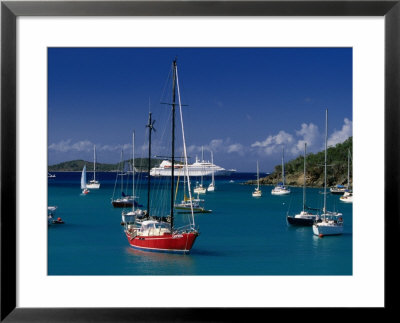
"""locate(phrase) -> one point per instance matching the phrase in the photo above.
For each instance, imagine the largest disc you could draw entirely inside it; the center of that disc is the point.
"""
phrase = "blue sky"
(244, 104)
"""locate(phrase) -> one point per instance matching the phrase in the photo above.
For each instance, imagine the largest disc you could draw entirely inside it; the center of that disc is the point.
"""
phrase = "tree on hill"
(336, 161)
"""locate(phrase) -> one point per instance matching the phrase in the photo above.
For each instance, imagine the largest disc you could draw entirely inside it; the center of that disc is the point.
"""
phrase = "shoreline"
(308, 186)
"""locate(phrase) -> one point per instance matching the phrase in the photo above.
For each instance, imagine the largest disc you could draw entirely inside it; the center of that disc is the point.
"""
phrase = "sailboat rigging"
(187, 204)
(124, 200)
(341, 189)
(347, 197)
(150, 125)
(159, 233)
(199, 187)
(331, 222)
(281, 189)
(305, 217)
(94, 184)
(211, 187)
(257, 192)
(136, 214)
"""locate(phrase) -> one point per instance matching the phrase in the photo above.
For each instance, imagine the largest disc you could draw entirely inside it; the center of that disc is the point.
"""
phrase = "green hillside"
(336, 171)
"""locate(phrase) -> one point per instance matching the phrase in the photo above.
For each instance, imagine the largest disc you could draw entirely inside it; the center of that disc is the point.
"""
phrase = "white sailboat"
(134, 215)
(347, 197)
(211, 187)
(189, 204)
(94, 184)
(338, 190)
(124, 200)
(281, 189)
(83, 181)
(200, 189)
(331, 223)
(305, 217)
(257, 192)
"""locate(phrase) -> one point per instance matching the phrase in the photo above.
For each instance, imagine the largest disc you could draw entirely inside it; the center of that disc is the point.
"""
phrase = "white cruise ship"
(198, 168)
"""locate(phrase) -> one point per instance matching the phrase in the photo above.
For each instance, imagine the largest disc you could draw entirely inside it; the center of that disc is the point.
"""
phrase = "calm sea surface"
(242, 236)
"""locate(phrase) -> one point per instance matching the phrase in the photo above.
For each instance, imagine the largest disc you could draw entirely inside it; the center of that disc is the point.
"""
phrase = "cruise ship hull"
(195, 170)
(192, 172)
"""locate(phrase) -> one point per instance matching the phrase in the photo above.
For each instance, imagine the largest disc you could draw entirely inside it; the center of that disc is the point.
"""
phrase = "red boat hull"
(179, 243)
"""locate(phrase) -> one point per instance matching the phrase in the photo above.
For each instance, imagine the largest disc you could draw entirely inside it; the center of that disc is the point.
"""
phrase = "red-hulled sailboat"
(154, 232)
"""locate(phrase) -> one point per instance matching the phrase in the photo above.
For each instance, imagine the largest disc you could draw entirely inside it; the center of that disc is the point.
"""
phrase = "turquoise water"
(242, 236)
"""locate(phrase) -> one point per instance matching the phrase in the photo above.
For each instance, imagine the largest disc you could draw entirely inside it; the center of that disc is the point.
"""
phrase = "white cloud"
(108, 147)
(236, 148)
(273, 144)
(215, 144)
(66, 146)
(84, 146)
(218, 146)
(294, 144)
(339, 136)
(62, 146)
(309, 133)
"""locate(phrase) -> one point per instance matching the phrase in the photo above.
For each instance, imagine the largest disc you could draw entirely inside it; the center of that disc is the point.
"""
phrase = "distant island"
(141, 165)
(294, 171)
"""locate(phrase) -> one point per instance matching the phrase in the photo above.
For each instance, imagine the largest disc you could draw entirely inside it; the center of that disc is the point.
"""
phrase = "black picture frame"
(10, 10)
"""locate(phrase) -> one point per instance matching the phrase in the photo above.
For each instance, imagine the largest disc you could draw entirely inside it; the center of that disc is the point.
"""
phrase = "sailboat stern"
(327, 228)
(93, 184)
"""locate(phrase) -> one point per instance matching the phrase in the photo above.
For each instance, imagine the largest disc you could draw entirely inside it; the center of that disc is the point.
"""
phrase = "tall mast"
(212, 162)
(122, 171)
(202, 160)
(258, 178)
(326, 149)
(119, 173)
(173, 141)
(133, 170)
(184, 147)
(283, 169)
(184, 185)
(150, 125)
(304, 184)
(348, 170)
(94, 163)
